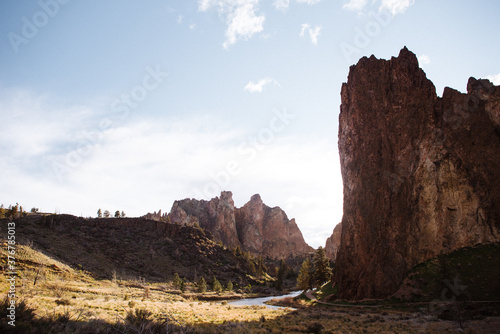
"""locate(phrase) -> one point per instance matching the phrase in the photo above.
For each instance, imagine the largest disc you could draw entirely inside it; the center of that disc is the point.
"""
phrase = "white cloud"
(396, 6)
(240, 16)
(179, 19)
(312, 32)
(309, 2)
(192, 26)
(355, 5)
(257, 87)
(494, 78)
(424, 59)
(393, 6)
(162, 160)
(281, 5)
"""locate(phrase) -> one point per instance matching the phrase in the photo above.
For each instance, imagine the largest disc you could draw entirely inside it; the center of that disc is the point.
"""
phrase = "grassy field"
(55, 298)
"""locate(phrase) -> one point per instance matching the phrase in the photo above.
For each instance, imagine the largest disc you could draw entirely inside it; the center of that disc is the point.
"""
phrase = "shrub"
(216, 286)
(63, 301)
(138, 317)
(202, 285)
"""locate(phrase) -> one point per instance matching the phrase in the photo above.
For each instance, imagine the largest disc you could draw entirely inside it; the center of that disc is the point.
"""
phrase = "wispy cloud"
(312, 32)
(240, 16)
(424, 59)
(396, 6)
(281, 5)
(309, 2)
(257, 87)
(355, 5)
(393, 6)
(145, 165)
(494, 78)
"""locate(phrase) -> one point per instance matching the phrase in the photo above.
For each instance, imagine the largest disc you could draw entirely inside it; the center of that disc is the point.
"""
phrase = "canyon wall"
(421, 173)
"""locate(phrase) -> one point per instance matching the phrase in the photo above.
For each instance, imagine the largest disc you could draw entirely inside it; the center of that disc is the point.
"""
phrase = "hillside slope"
(130, 248)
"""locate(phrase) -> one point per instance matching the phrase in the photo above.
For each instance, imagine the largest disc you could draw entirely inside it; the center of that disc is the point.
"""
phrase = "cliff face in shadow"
(421, 174)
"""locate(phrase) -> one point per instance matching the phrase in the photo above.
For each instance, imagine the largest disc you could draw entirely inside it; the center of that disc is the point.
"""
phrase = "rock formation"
(268, 231)
(215, 216)
(333, 243)
(421, 174)
(255, 227)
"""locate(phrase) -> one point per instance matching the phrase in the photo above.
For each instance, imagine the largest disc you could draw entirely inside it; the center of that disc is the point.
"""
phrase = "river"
(262, 300)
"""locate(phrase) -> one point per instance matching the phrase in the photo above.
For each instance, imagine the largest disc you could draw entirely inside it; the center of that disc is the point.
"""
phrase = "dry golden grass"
(70, 301)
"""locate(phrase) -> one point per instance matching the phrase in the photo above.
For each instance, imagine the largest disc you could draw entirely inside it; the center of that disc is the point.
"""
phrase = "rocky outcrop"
(255, 227)
(157, 216)
(333, 242)
(421, 174)
(268, 231)
(215, 216)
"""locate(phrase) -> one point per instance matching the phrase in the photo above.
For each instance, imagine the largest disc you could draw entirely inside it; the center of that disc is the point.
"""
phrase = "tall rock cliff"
(268, 231)
(255, 227)
(333, 243)
(421, 174)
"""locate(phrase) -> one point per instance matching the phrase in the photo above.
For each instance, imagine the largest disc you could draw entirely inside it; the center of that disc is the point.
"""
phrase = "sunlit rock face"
(268, 231)
(333, 243)
(255, 227)
(421, 174)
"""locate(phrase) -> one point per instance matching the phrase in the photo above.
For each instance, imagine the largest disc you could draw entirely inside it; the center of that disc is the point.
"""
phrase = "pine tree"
(261, 267)
(122, 214)
(107, 214)
(183, 285)
(177, 281)
(304, 279)
(202, 285)
(99, 213)
(322, 272)
(229, 286)
(280, 275)
(216, 286)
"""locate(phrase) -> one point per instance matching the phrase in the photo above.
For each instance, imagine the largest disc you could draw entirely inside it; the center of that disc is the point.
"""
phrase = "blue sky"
(130, 105)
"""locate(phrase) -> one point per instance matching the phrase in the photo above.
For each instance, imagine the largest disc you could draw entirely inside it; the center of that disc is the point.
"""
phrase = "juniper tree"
(322, 272)
(202, 285)
(177, 281)
(304, 278)
(216, 286)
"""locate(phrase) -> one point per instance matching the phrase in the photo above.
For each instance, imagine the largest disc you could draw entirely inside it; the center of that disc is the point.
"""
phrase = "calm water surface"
(261, 301)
